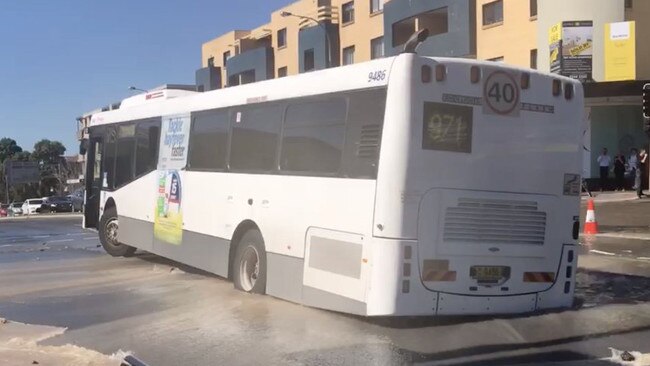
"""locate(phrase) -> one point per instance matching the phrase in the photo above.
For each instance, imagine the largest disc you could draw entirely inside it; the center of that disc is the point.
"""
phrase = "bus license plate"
(489, 273)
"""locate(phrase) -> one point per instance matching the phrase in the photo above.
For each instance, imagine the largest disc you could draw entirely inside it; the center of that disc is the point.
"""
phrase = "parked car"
(16, 209)
(56, 204)
(32, 206)
(77, 198)
(4, 210)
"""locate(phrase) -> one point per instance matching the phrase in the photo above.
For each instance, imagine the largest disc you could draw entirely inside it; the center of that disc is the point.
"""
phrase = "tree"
(8, 148)
(48, 152)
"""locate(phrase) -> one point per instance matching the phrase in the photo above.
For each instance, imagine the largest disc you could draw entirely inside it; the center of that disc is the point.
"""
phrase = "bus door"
(93, 181)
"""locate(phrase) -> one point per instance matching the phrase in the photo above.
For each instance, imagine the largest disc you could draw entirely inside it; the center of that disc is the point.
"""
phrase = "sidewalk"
(42, 216)
(619, 215)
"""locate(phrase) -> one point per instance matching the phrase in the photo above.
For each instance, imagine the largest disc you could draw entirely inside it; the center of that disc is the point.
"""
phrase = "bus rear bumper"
(396, 289)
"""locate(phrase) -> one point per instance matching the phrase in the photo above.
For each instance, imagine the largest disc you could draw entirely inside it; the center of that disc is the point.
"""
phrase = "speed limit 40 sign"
(501, 94)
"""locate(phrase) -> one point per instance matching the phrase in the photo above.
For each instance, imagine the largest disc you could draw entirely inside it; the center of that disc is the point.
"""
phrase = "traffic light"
(646, 100)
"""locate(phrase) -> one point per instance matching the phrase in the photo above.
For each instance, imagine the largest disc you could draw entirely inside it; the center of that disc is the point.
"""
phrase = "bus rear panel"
(478, 189)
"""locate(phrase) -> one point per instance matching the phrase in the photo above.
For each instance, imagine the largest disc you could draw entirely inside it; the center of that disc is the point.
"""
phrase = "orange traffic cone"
(591, 225)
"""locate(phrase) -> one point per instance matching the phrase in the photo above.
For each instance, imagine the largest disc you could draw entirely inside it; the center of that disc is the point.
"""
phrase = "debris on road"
(632, 358)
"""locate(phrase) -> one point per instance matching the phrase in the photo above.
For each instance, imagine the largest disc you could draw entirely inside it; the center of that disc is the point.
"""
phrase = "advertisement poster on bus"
(168, 218)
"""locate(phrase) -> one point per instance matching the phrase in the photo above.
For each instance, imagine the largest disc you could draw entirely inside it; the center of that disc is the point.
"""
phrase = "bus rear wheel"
(249, 268)
(108, 228)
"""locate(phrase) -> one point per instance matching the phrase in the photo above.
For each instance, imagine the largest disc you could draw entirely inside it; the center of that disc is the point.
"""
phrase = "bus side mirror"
(83, 147)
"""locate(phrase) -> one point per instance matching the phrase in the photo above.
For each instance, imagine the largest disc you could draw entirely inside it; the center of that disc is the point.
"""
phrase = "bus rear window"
(447, 127)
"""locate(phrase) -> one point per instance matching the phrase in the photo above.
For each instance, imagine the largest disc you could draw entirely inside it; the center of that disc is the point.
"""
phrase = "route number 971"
(376, 76)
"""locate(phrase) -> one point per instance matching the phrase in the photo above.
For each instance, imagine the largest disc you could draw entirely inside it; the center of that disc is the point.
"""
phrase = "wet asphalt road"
(52, 272)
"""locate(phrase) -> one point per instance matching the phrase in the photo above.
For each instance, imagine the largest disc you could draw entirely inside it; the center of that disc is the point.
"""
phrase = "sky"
(60, 59)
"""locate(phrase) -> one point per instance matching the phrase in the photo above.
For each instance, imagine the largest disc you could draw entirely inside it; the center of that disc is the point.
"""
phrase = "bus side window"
(209, 140)
(363, 133)
(124, 155)
(108, 162)
(147, 140)
(255, 137)
(313, 135)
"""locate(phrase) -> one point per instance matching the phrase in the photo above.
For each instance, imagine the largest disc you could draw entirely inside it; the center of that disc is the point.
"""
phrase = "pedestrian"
(604, 161)
(619, 171)
(643, 162)
(632, 165)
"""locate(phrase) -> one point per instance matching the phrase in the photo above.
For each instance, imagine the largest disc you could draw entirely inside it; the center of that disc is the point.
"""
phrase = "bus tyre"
(108, 235)
(249, 268)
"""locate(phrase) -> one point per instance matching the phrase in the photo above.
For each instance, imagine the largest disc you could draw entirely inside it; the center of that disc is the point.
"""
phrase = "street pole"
(6, 182)
(327, 36)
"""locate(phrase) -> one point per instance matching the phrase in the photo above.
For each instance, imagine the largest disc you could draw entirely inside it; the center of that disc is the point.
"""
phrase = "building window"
(436, 21)
(533, 59)
(282, 38)
(493, 12)
(211, 62)
(348, 55)
(533, 8)
(402, 30)
(628, 4)
(376, 6)
(496, 59)
(347, 10)
(282, 72)
(377, 48)
(309, 59)
(226, 56)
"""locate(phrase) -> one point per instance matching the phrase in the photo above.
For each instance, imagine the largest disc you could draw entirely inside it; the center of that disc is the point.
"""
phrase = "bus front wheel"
(249, 268)
(108, 235)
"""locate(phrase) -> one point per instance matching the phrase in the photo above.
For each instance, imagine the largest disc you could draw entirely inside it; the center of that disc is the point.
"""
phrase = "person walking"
(642, 164)
(604, 161)
(619, 171)
(632, 165)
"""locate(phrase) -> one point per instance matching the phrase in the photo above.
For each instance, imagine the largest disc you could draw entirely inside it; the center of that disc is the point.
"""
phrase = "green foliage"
(48, 152)
(8, 148)
(52, 165)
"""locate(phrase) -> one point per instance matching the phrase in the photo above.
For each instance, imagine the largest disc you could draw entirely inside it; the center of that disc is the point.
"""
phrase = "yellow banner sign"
(620, 51)
(555, 33)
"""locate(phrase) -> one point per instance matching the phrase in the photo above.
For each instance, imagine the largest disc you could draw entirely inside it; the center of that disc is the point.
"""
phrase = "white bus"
(406, 185)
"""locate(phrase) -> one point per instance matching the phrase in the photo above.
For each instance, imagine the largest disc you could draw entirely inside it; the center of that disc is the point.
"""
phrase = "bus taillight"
(475, 74)
(539, 276)
(525, 80)
(441, 72)
(557, 87)
(568, 91)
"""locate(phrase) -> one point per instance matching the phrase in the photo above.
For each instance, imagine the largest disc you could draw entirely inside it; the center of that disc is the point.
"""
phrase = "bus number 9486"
(376, 76)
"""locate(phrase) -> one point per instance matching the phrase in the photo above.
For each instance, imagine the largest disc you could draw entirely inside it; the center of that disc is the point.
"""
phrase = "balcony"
(324, 14)
(253, 65)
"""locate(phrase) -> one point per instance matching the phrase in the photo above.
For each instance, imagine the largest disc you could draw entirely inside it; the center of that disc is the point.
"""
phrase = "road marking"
(601, 252)
(75, 234)
(89, 238)
(8, 245)
(39, 236)
(59, 240)
(643, 258)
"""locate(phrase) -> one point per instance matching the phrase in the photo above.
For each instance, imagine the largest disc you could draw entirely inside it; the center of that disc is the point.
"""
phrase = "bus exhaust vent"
(489, 221)
(369, 141)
